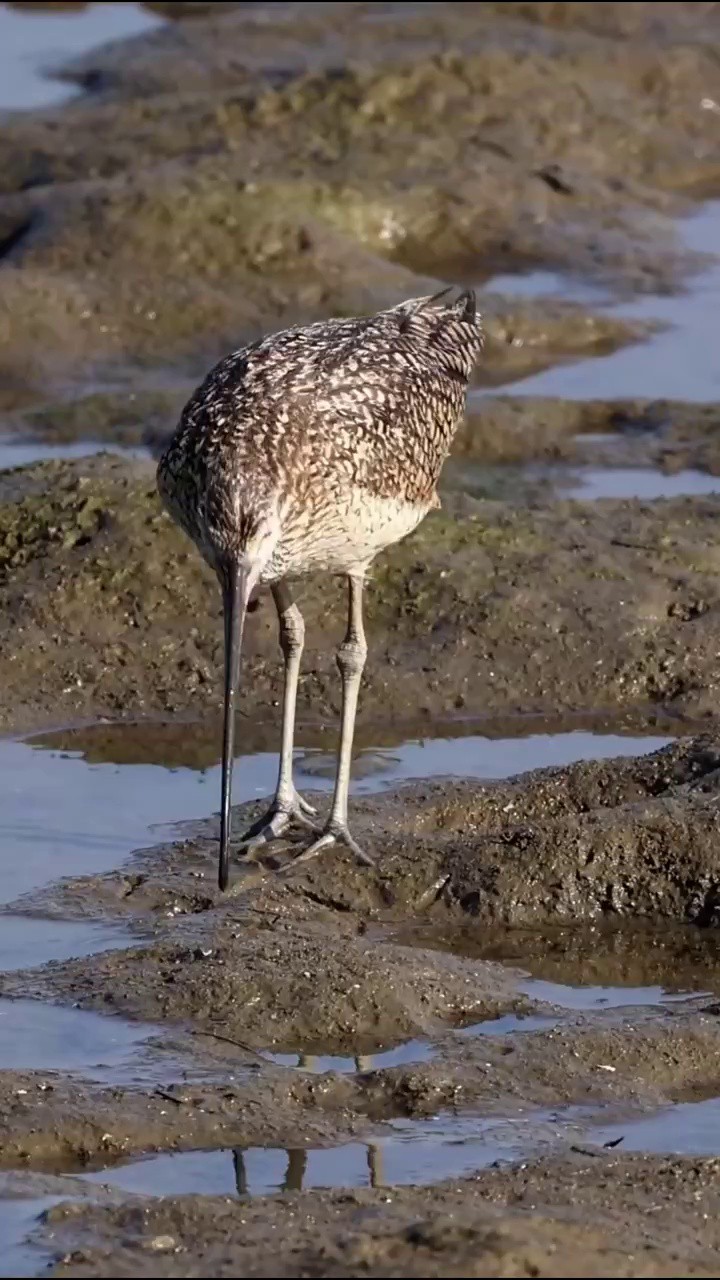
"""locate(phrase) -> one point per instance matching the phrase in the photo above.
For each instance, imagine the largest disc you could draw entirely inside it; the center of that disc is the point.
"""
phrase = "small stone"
(161, 1244)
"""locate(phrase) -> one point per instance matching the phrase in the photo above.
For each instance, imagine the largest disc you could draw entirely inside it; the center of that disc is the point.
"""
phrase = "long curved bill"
(236, 594)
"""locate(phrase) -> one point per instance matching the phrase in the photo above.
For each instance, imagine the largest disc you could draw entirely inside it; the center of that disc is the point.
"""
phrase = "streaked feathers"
(318, 426)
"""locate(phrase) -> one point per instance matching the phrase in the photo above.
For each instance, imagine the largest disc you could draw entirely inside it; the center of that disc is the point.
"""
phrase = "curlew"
(310, 451)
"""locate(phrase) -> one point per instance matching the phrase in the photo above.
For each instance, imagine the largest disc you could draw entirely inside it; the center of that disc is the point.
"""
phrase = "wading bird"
(310, 451)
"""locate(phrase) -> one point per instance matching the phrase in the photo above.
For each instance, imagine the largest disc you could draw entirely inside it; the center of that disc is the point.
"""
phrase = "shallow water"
(646, 483)
(13, 454)
(548, 284)
(44, 1037)
(411, 1051)
(27, 940)
(60, 815)
(519, 484)
(410, 1152)
(18, 1219)
(400, 1055)
(679, 363)
(476, 757)
(34, 41)
(585, 999)
(687, 1128)
(576, 966)
(407, 1152)
(414, 1152)
(63, 814)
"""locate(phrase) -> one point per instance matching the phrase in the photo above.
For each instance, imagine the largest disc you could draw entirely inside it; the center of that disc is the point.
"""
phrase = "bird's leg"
(296, 1169)
(287, 804)
(351, 660)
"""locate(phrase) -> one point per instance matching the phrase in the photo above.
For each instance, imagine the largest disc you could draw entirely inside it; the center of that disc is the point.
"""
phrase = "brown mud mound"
(598, 840)
(290, 987)
(289, 961)
(661, 433)
(183, 261)
(105, 607)
(48, 1120)
(307, 165)
(606, 1215)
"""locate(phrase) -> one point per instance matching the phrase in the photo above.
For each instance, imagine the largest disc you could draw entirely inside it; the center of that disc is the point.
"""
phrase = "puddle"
(548, 284)
(13, 454)
(407, 1153)
(595, 437)
(685, 1129)
(475, 757)
(509, 1023)
(35, 40)
(19, 1217)
(520, 485)
(646, 483)
(588, 969)
(411, 1152)
(679, 363)
(411, 1051)
(401, 1055)
(26, 941)
(44, 1037)
(586, 999)
(65, 816)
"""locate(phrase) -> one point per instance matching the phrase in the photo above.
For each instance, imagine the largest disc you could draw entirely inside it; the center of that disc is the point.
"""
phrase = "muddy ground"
(106, 609)
(342, 960)
(598, 1216)
(255, 165)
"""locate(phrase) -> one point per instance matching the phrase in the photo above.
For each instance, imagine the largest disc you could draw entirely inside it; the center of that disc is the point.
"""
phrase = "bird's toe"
(275, 822)
(334, 833)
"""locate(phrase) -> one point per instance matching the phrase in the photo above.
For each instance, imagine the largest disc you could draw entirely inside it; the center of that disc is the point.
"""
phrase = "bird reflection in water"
(296, 1170)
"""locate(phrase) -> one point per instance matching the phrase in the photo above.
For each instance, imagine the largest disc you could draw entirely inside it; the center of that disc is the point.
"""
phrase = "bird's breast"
(340, 537)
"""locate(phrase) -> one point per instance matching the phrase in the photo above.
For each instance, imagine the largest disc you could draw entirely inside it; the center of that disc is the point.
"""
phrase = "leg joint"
(351, 656)
(292, 631)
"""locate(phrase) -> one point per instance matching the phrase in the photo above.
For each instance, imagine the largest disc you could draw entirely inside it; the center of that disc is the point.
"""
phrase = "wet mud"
(542, 1042)
(496, 1051)
(250, 195)
(518, 1222)
(659, 433)
(561, 606)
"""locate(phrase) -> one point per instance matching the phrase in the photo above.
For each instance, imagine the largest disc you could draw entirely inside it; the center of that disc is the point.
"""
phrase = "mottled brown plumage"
(312, 450)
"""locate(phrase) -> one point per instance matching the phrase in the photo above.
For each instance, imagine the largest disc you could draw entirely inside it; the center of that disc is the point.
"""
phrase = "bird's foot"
(283, 811)
(333, 833)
